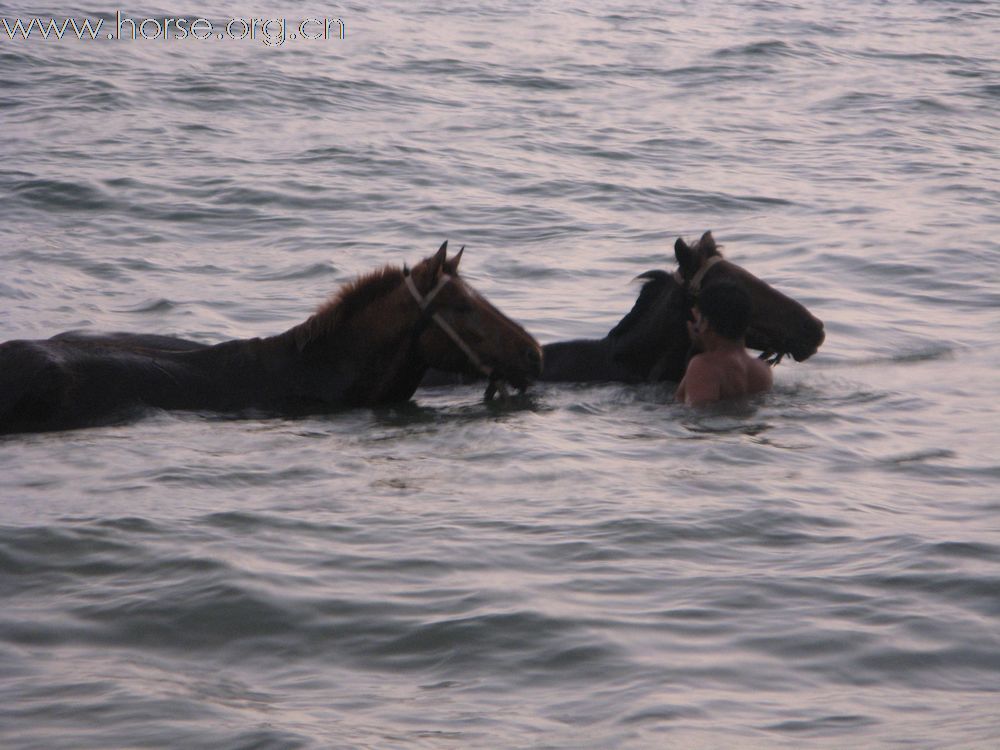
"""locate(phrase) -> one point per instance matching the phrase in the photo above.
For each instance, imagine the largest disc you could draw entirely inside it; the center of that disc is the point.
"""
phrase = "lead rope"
(443, 324)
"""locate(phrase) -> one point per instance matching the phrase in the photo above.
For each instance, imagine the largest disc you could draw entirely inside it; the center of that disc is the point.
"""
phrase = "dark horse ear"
(687, 258)
(707, 244)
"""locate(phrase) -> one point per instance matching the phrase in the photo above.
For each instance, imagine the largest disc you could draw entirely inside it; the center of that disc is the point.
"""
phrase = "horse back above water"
(370, 344)
(651, 343)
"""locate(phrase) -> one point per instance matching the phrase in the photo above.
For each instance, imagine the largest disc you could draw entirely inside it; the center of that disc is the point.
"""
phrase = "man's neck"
(713, 342)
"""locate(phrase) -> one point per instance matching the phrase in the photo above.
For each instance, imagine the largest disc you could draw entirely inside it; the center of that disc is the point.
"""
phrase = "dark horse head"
(371, 344)
(651, 343)
(779, 325)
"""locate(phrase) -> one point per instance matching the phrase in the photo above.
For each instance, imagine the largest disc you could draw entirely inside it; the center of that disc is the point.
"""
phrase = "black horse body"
(649, 344)
(76, 379)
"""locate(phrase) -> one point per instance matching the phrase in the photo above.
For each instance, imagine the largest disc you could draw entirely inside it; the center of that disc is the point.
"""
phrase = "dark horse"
(652, 344)
(370, 344)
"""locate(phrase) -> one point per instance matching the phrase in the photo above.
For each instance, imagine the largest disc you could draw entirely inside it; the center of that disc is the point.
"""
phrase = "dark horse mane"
(658, 319)
(654, 284)
(651, 342)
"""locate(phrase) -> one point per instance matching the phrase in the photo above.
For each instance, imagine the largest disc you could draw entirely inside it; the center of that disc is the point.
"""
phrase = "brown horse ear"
(707, 243)
(456, 259)
(439, 258)
(687, 258)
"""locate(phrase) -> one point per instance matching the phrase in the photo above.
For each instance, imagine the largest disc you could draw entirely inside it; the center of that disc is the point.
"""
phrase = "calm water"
(587, 567)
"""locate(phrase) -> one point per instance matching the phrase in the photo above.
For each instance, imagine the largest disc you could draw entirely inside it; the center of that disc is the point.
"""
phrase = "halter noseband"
(425, 302)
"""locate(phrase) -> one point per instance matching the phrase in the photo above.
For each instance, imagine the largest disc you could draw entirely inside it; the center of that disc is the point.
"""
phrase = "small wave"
(130, 524)
(533, 82)
(932, 58)
(63, 195)
(516, 269)
(194, 476)
(311, 271)
(326, 153)
(9, 292)
(918, 457)
(821, 726)
(925, 104)
(656, 199)
(32, 556)
(526, 642)
(989, 91)
(766, 48)
(488, 76)
(698, 77)
(191, 612)
(663, 713)
(928, 353)
(203, 129)
(160, 305)
(924, 668)
(245, 522)
(968, 550)
(977, 593)
(764, 527)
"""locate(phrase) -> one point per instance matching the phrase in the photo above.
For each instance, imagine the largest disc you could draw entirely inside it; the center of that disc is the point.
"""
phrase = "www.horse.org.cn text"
(269, 31)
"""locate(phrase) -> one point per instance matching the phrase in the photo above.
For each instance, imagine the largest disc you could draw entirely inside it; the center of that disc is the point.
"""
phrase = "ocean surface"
(583, 567)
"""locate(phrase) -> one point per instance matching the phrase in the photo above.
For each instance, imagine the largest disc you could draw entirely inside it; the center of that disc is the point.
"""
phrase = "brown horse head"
(779, 325)
(462, 331)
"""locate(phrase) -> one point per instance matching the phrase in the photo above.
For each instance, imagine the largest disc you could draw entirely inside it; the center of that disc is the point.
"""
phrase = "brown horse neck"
(366, 349)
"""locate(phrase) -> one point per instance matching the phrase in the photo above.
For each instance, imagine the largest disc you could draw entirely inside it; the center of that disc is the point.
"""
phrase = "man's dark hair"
(727, 307)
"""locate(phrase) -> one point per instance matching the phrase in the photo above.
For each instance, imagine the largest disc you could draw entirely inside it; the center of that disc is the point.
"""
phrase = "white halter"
(443, 324)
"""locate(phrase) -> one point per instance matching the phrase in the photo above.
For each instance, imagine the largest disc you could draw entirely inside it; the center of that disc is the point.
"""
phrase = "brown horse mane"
(345, 303)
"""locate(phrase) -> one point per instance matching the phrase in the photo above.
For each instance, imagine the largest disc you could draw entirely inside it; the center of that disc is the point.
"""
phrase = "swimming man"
(723, 370)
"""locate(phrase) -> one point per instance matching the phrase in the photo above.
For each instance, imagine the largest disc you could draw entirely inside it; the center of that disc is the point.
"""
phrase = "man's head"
(727, 308)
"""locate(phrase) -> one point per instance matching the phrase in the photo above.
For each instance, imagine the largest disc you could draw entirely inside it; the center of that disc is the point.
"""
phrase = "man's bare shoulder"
(701, 383)
(759, 375)
(721, 375)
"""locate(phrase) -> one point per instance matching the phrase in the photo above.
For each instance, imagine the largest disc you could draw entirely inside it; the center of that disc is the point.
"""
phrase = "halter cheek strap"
(425, 302)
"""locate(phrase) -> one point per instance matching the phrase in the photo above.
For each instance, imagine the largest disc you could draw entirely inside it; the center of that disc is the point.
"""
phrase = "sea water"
(586, 566)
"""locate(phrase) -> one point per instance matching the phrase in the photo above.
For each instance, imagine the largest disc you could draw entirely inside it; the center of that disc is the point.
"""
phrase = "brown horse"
(370, 344)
